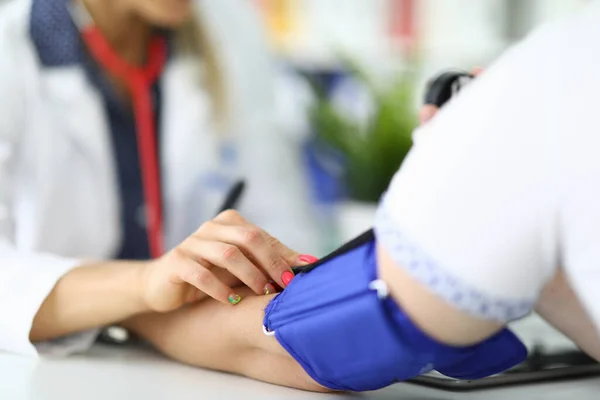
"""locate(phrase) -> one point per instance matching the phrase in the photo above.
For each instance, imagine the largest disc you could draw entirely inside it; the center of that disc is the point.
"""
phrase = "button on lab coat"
(59, 198)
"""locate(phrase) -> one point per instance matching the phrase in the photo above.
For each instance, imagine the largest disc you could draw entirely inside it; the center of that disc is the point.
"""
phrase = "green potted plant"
(372, 148)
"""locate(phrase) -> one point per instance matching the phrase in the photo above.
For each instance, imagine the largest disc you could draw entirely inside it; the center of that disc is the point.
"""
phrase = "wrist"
(139, 284)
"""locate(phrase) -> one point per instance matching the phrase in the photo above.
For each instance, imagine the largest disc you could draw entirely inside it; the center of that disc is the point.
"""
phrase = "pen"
(233, 196)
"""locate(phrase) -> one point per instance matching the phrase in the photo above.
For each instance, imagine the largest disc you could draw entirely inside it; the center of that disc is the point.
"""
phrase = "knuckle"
(202, 277)
(189, 247)
(252, 237)
(178, 253)
(229, 215)
(230, 253)
(206, 226)
(190, 241)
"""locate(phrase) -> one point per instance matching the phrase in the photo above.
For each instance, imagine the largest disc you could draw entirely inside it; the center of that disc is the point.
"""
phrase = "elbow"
(46, 325)
(35, 336)
(42, 331)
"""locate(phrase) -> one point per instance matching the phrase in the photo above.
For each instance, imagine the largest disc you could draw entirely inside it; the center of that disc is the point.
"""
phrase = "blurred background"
(363, 59)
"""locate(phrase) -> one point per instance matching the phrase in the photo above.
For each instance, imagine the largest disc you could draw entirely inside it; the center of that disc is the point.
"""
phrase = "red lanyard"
(139, 82)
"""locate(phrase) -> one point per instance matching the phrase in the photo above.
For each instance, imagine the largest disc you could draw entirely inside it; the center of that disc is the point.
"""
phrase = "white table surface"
(127, 373)
(109, 373)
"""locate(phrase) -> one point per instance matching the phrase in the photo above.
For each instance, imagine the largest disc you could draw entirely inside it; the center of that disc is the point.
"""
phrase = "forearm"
(216, 336)
(88, 297)
(559, 305)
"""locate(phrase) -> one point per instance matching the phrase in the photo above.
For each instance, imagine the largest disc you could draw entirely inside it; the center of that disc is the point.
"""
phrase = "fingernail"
(269, 289)
(234, 299)
(287, 277)
(307, 258)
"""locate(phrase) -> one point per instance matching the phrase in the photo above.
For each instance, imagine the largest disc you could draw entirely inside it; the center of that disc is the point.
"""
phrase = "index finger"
(232, 217)
(268, 253)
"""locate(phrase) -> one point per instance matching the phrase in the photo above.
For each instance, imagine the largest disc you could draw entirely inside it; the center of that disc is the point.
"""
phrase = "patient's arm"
(221, 337)
(557, 304)
(430, 312)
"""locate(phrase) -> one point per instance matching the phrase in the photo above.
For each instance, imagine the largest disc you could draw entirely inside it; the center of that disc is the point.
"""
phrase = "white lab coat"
(59, 198)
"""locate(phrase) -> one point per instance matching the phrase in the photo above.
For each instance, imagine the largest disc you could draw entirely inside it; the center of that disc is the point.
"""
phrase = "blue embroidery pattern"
(432, 274)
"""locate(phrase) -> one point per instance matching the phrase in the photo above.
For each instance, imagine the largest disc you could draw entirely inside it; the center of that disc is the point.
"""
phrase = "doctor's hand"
(222, 254)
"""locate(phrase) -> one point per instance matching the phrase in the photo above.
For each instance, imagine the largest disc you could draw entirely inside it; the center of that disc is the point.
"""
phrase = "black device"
(541, 366)
(444, 86)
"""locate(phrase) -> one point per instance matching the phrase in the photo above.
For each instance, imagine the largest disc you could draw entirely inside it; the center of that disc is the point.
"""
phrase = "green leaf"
(373, 152)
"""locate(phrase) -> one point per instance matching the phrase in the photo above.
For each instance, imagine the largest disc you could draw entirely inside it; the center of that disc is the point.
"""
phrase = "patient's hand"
(217, 336)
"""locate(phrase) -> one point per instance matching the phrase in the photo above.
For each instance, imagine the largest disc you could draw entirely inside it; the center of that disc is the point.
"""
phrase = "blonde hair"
(193, 39)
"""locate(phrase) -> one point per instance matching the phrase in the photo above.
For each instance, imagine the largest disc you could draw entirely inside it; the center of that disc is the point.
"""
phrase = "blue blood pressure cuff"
(337, 320)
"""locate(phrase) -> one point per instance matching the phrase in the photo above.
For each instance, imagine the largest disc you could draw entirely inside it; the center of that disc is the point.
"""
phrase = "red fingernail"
(307, 258)
(287, 277)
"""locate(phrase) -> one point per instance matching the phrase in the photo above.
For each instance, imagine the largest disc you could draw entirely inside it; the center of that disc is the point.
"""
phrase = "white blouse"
(502, 187)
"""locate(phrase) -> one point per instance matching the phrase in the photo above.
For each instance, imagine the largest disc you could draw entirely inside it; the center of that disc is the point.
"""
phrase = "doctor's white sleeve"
(26, 278)
(471, 214)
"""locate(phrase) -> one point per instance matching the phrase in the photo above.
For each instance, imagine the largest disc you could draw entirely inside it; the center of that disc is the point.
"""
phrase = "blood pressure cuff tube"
(336, 320)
